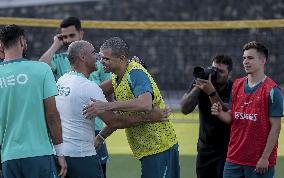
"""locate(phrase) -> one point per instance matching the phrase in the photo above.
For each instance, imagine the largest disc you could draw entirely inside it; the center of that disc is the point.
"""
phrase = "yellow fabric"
(150, 138)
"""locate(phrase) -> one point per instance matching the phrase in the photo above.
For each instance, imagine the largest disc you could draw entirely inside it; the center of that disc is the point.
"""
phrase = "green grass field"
(123, 164)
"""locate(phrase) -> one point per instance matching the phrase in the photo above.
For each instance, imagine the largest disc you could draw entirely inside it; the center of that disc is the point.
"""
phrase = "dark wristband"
(212, 94)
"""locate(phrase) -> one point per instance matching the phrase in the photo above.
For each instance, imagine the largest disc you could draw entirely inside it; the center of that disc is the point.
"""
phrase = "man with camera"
(211, 85)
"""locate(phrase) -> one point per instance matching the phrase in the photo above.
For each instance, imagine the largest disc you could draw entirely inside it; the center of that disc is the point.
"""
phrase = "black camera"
(203, 73)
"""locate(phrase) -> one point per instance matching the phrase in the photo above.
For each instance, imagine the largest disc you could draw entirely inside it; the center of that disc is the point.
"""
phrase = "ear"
(122, 57)
(22, 41)
(264, 60)
(82, 57)
(81, 34)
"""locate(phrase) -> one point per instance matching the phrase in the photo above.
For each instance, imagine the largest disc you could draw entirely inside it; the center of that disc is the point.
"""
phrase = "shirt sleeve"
(275, 103)
(49, 85)
(53, 63)
(139, 82)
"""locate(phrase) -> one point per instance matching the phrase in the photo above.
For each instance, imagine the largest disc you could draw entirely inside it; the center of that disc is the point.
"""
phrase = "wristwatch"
(212, 94)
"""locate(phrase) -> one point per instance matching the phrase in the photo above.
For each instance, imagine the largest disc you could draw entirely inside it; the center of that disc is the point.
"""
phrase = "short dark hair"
(224, 59)
(71, 21)
(117, 45)
(260, 48)
(10, 34)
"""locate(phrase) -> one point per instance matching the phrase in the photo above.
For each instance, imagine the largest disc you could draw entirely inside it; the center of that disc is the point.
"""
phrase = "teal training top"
(24, 85)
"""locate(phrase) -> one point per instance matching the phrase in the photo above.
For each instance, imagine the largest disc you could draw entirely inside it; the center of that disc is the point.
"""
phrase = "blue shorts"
(85, 167)
(102, 152)
(161, 165)
(232, 170)
(35, 167)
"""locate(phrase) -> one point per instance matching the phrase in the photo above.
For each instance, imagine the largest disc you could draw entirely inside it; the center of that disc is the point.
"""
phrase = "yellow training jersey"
(149, 138)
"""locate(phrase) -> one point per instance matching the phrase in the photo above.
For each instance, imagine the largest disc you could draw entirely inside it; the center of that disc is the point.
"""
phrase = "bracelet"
(212, 94)
(59, 149)
(101, 137)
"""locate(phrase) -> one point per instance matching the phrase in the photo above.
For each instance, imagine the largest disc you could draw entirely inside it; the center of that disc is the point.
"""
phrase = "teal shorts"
(161, 165)
(33, 167)
(85, 167)
(232, 170)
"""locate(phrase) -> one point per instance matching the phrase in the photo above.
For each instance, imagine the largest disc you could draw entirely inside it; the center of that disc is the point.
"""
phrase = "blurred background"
(172, 37)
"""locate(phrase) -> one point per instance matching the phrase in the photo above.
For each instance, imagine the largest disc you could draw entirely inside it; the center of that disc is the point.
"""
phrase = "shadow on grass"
(126, 166)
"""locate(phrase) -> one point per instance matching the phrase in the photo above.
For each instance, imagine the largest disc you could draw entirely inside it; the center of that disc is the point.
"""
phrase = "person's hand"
(157, 114)
(94, 108)
(262, 166)
(63, 166)
(98, 142)
(216, 109)
(205, 85)
(58, 41)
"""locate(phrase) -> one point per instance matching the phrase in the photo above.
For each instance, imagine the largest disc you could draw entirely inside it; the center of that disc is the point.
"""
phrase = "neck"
(121, 70)
(82, 70)
(12, 54)
(256, 78)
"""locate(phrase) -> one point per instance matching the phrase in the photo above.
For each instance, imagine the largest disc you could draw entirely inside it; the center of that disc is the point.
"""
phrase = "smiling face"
(89, 55)
(71, 34)
(110, 62)
(253, 61)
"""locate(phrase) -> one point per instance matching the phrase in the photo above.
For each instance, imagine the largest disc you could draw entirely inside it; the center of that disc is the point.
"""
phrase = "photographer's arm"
(189, 100)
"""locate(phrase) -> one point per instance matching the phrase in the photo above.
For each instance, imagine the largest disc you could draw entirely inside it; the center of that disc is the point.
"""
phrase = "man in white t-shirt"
(75, 91)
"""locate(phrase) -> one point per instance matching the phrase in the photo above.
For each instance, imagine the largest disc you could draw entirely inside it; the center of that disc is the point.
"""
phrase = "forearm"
(117, 121)
(271, 141)
(130, 105)
(225, 117)
(47, 56)
(216, 99)
(107, 87)
(189, 100)
(54, 126)
(107, 131)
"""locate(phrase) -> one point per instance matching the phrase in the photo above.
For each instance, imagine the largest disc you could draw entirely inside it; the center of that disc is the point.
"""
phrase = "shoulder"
(60, 56)
(39, 66)
(137, 73)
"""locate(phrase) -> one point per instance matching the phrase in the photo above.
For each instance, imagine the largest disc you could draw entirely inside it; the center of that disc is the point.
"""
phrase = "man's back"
(23, 87)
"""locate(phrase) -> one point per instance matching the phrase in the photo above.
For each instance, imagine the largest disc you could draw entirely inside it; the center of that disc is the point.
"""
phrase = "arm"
(53, 120)
(107, 87)
(217, 110)
(140, 104)
(189, 100)
(209, 89)
(262, 164)
(47, 56)
(54, 125)
(117, 121)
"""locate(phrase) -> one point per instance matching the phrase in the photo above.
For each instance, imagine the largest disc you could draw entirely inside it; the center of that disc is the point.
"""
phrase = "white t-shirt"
(74, 92)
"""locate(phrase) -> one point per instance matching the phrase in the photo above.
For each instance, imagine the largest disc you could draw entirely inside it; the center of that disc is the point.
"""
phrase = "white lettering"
(12, 80)
(22, 79)
(245, 116)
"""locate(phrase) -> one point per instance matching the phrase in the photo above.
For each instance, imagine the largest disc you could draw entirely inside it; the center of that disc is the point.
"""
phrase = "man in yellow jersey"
(154, 144)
